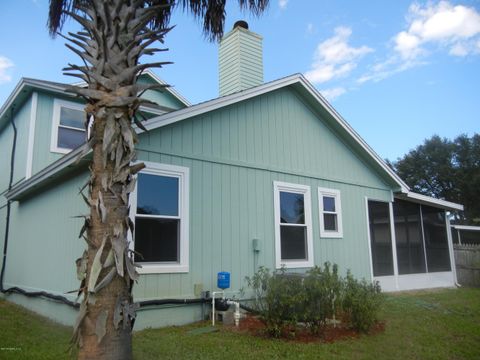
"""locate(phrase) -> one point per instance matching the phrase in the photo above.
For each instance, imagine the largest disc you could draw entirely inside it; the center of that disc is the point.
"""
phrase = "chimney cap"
(241, 23)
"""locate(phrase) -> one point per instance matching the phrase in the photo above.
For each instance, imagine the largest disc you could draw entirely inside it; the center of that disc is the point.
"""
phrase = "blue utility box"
(223, 280)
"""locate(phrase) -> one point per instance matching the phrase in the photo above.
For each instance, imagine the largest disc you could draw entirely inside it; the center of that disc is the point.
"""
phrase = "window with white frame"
(293, 225)
(330, 213)
(159, 206)
(68, 128)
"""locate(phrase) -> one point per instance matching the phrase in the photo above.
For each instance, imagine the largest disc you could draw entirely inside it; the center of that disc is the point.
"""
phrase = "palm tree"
(114, 35)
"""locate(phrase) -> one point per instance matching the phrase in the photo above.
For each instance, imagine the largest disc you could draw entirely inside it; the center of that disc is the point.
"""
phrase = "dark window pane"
(330, 222)
(291, 208)
(72, 118)
(157, 195)
(69, 138)
(329, 203)
(380, 238)
(434, 227)
(408, 236)
(157, 240)
(293, 242)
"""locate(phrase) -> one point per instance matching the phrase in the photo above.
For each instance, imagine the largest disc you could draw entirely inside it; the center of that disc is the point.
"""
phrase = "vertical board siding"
(42, 255)
(234, 156)
(42, 156)
(22, 122)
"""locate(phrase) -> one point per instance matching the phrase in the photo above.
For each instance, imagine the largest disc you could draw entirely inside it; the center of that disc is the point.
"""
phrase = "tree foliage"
(446, 169)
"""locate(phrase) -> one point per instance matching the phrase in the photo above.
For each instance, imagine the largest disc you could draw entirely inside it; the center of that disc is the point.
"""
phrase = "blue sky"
(397, 71)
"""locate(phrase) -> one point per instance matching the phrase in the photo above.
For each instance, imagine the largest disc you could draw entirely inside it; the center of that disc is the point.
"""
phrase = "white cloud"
(5, 64)
(335, 58)
(333, 93)
(282, 4)
(431, 27)
(443, 25)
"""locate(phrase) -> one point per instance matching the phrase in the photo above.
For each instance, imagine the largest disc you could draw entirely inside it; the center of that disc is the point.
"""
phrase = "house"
(268, 174)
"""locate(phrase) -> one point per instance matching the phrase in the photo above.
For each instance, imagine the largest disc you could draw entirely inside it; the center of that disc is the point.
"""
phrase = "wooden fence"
(467, 261)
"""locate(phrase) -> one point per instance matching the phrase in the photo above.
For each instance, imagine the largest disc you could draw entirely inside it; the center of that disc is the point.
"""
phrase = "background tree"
(447, 170)
(114, 35)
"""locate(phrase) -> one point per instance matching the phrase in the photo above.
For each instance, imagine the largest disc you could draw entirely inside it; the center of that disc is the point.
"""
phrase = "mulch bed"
(253, 326)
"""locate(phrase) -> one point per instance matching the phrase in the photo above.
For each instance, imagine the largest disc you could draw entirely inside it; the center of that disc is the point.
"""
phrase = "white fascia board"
(428, 200)
(217, 103)
(171, 90)
(346, 126)
(11, 98)
(466, 227)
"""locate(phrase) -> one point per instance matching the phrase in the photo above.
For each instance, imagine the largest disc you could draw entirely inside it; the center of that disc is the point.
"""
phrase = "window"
(68, 128)
(380, 237)
(293, 225)
(159, 206)
(408, 238)
(330, 213)
(436, 241)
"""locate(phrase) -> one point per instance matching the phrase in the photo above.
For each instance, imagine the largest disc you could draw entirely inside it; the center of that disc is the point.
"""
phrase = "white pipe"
(236, 315)
(213, 304)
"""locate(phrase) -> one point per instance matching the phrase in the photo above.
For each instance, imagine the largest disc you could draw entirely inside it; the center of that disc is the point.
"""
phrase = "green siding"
(234, 155)
(275, 132)
(42, 156)
(43, 241)
(230, 206)
(22, 122)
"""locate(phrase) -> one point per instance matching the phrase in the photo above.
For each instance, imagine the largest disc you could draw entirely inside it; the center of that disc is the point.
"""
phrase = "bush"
(285, 299)
(278, 298)
(361, 302)
(322, 293)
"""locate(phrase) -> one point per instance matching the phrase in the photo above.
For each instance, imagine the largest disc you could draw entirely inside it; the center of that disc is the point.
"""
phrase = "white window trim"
(338, 206)
(57, 105)
(299, 189)
(182, 173)
(31, 136)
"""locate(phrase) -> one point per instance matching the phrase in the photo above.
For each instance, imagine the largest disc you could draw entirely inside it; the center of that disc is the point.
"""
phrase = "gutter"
(430, 201)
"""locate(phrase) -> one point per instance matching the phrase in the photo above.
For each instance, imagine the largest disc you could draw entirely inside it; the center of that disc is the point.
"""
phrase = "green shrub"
(361, 302)
(285, 299)
(278, 298)
(323, 289)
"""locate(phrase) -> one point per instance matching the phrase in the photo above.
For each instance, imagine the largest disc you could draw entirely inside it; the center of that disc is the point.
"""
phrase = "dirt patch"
(254, 326)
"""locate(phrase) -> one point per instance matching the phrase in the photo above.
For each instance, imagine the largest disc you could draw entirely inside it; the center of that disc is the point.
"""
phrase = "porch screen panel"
(380, 238)
(408, 236)
(436, 242)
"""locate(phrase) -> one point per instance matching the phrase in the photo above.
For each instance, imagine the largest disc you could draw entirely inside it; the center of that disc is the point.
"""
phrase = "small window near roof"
(68, 129)
(330, 213)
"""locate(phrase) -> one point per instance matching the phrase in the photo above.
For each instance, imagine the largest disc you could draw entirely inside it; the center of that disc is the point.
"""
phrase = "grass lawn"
(437, 324)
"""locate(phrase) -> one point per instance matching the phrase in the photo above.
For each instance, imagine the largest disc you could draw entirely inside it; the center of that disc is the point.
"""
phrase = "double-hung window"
(293, 225)
(330, 213)
(160, 209)
(68, 126)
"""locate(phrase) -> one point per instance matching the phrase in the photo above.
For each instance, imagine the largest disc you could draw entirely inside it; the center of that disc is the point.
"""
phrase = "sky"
(397, 71)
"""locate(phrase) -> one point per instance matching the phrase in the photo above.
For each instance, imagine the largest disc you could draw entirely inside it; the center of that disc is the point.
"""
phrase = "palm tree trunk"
(100, 338)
